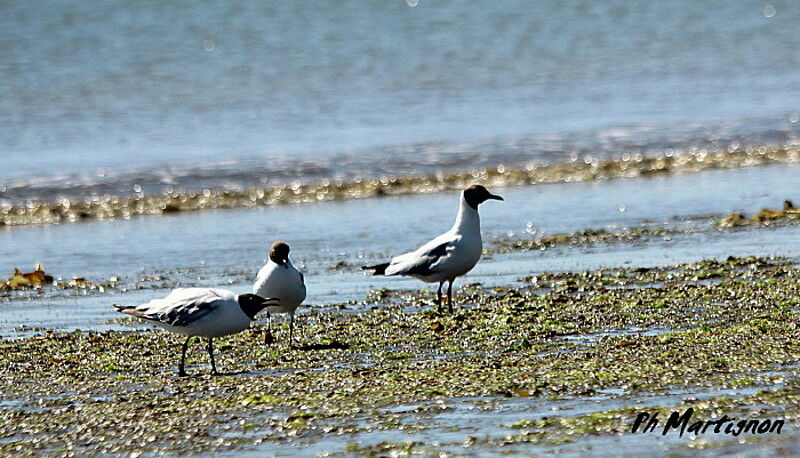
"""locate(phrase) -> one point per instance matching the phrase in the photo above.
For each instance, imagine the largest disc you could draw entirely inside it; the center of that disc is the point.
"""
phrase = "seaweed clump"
(765, 217)
(35, 279)
(584, 237)
(38, 279)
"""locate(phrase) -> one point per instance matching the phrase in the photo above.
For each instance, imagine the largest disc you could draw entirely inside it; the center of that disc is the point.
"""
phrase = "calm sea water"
(98, 96)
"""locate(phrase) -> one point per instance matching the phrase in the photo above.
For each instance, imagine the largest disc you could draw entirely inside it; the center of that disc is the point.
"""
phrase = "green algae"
(123, 207)
(727, 323)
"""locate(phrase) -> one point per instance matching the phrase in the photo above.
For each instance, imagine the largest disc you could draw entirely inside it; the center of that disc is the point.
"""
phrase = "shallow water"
(447, 425)
(226, 248)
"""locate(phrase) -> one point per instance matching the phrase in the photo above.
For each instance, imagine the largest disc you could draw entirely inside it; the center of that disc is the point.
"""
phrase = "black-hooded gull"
(200, 312)
(281, 280)
(449, 255)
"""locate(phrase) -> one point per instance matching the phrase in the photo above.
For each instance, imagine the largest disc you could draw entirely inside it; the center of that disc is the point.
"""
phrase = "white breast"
(281, 282)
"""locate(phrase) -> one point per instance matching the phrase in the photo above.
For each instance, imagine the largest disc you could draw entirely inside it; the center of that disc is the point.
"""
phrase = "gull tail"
(377, 269)
(121, 308)
(128, 310)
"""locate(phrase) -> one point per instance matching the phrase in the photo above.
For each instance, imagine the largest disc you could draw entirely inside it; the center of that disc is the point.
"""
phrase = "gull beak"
(495, 197)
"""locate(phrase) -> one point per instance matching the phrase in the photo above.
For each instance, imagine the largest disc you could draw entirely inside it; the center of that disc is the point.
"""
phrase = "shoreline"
(109, 207)
(16, 287)
(560, 358)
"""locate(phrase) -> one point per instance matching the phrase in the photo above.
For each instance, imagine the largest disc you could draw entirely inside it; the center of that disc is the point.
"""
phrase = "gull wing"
(426, 259)
(182, 306)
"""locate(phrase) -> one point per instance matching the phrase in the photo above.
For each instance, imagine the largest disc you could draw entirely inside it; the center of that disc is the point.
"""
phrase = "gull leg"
(450, 297)
(211, 354)
(184, 347)
(439, 296)
(268, 339)
(291, 329)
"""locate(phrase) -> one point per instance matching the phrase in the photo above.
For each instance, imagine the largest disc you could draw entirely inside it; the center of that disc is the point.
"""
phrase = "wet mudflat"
(563, 361)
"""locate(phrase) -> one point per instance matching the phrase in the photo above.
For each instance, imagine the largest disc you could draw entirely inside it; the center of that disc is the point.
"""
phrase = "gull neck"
(467, 219)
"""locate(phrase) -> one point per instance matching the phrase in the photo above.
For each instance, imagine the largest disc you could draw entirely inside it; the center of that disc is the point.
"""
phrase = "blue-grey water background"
(101, 97)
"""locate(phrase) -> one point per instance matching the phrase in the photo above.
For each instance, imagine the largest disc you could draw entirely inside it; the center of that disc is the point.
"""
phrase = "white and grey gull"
(280, 279)
(449, 255)
(200, 312)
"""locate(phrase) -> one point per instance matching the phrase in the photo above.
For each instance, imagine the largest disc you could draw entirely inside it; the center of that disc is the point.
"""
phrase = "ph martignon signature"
(682, 422)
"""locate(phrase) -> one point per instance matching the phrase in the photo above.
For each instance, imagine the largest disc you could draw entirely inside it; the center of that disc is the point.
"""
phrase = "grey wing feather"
(182, 307)
(189, 313)
(425, 264)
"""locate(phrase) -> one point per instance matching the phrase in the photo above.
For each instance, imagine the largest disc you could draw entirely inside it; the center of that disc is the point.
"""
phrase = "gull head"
(251, 304)
(279, 252)
(477, 194)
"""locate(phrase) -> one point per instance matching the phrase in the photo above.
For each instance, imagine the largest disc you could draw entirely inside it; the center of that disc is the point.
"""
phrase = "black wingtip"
(128, 310)
(377, 269)
(120, 308)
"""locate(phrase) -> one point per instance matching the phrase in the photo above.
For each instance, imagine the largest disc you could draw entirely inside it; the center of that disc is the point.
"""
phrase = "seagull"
(449, 255)
(201, 312)
(280, 279)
